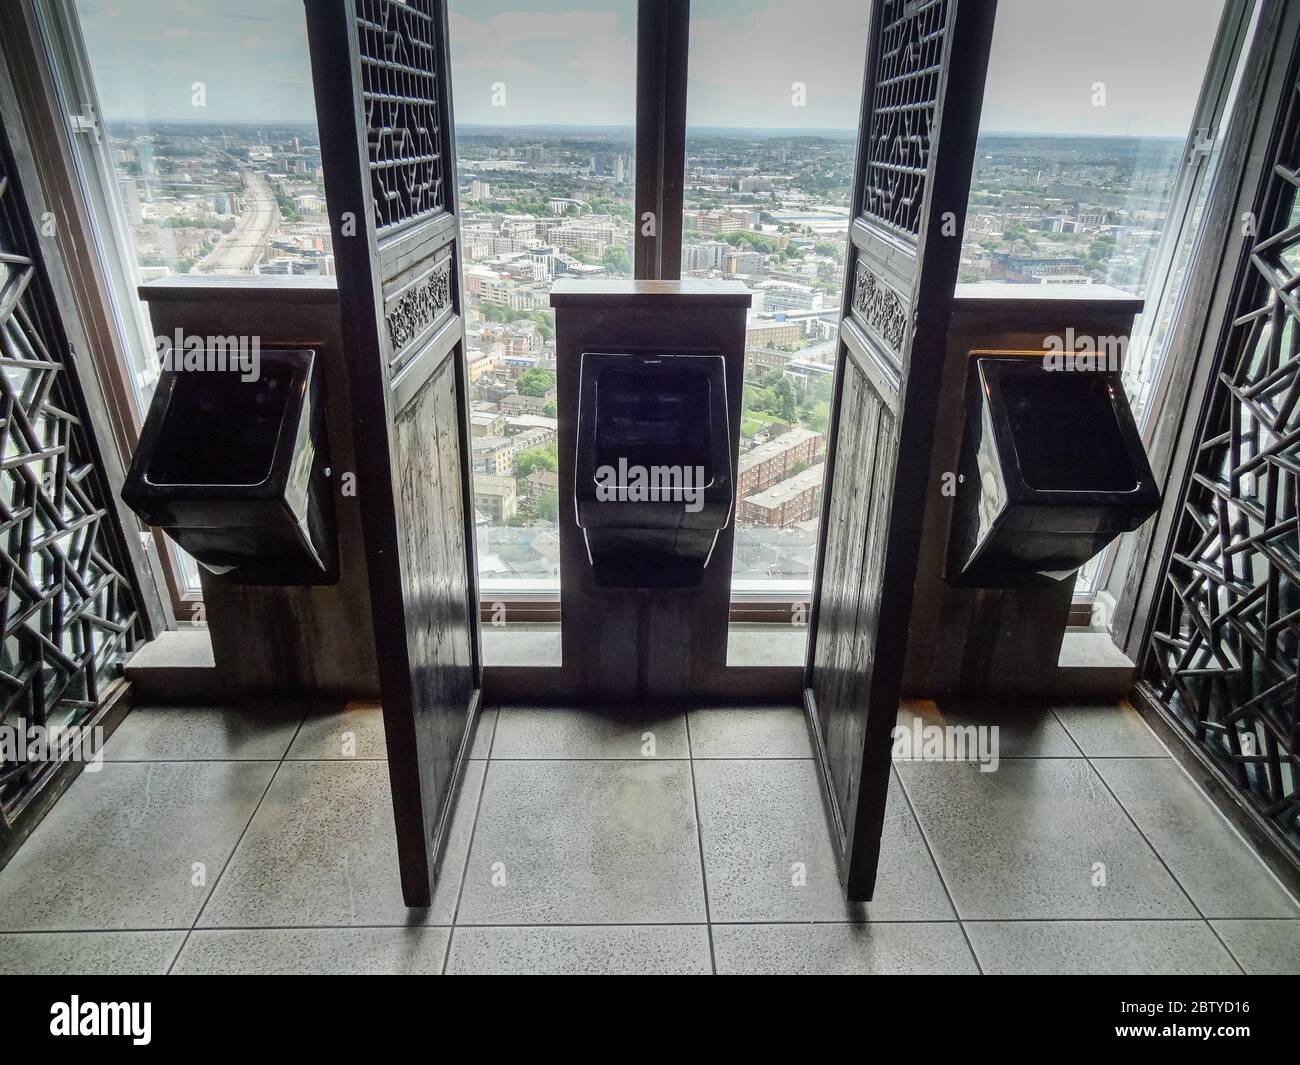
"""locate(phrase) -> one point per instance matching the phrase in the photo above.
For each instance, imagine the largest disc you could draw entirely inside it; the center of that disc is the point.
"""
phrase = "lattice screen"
(67, 618)
(398, 45)
(902, 111)
(1228, 630)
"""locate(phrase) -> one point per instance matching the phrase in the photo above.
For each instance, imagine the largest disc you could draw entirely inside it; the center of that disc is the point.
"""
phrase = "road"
(243, 247)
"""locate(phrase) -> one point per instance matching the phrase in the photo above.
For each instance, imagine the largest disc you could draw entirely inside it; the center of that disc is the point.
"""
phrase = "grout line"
(277, 759)
(225, 865)
(699, 840)
(1145, 839)
(1094, 758)
(1154, 850)
(1250, 848)
(496, 724)
(934, 862)
(230, 860)
(709, 922)
(469, 847)
(1235, 960)
(728, 923)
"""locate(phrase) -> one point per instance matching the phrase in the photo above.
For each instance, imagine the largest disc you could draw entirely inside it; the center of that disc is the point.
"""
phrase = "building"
(478, 365)
(1021, 269)
(492, 454)
(495, 497)
(759, 361)
(538, 483)
(514, 403)
(744, 261)
(806, 371)
(787, 502)
(721, 221)
(763, 466)
(787, 296)
(519, 423)
(535, 436)
(486, 423)
(772, 333)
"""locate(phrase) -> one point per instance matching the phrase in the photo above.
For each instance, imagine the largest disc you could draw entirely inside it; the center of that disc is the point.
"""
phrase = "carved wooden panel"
(896, 307)
(67, 619)
(881, 309)
(1226, 642)
(420, 303)
(904, 94)
(431, 516)
(398, 44)
(858, 517)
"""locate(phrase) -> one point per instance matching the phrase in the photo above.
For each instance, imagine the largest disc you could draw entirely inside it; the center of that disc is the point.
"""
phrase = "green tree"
(535, 382)
(537, 458)
(548, 507)
(819, 417)
(787, 402)
(616, 260)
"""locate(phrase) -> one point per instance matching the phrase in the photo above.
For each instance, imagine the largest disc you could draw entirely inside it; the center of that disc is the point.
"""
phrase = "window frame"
(663, 33)
(77, 99)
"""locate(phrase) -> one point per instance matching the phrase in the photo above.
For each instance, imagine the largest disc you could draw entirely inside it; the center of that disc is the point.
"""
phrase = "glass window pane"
(545, 106)
(210, 158)
(1077, 161)
(211, 125)
(772, 112)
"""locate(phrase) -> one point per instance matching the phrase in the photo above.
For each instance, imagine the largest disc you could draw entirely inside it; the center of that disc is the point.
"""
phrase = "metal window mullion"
(663, 36)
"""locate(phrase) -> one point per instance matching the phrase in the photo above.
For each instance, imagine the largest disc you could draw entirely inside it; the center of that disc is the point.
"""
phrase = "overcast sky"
(572, 62)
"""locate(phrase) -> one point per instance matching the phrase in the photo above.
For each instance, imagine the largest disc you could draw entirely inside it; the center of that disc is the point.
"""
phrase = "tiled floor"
(261, 841)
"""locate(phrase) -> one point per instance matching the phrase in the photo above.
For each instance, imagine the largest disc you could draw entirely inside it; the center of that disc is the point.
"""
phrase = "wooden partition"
(1006, 641)
(621, 643)
(299, 641)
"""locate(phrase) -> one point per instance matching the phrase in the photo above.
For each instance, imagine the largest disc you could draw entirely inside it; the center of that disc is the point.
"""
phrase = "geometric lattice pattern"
(67, 619)
(1227, 635)
(910, 58)
(398, 43)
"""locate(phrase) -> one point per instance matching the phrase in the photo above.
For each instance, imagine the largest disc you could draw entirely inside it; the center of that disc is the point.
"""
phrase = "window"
(198, 137)
(1077, 163)
(197, 148)
(214, 155)
(544, 95)
(772, 116)
(1085, 173)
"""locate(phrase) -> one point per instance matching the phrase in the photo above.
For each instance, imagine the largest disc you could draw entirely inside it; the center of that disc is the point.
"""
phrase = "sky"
(573, 62)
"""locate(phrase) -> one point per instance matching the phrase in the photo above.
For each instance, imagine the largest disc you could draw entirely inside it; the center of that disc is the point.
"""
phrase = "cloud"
(597, 49)
(742, 64)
